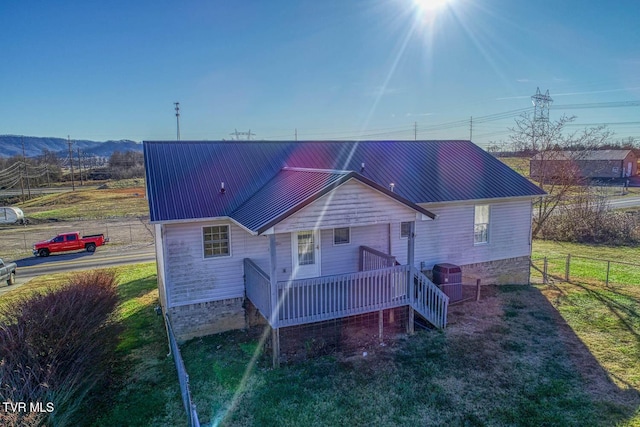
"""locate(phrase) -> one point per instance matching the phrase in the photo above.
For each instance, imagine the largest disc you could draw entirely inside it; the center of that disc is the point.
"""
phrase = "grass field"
(120, 199)
(145, 390)
(519, 164)
(557, 355)
(565, 354)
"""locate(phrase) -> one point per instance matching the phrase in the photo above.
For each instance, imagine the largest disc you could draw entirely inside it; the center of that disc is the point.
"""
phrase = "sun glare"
(431, 5)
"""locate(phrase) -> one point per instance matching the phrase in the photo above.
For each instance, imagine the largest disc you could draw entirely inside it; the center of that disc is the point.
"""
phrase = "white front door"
(629, 169)
(305, 253)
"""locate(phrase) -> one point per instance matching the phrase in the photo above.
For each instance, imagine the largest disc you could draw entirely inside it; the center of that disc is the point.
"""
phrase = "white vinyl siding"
(339, 259)
(336, 259)
(352, 204)
(158, 235)
(190, 278)
(445, 240)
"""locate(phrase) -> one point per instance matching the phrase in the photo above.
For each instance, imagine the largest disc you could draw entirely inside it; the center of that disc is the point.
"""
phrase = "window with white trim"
(341, 236)
(306, 248)
(215, 240)
(481, 224)
(405, 229)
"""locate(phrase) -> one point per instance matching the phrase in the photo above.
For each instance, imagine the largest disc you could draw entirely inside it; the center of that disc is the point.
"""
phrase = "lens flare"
(427, 6)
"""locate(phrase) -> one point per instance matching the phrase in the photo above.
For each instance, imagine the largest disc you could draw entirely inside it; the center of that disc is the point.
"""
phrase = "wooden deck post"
(411, 246)
(273, 317)
(381, 325)
(275, 347)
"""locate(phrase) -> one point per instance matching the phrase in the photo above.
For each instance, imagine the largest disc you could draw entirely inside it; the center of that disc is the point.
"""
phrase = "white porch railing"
(331, 297)
(429, 300)
(371, 259)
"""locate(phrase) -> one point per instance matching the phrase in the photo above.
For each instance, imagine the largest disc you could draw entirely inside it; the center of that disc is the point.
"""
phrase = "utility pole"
(415, 131)
(73, 184)
(26, 171)
(471, 128)
(296, 134)
(80, 166)
(177, 104)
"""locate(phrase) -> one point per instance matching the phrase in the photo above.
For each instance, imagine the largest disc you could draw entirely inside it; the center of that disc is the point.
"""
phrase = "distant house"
(303, 232)
(584, 164)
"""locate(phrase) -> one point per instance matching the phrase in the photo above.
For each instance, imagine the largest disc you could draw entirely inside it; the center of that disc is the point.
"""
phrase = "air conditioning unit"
(448, 277)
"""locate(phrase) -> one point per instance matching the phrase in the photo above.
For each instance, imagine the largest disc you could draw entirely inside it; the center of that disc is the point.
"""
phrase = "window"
(306, 246)
(341, 236)
(405, 229)
(71, 238)
(216, 241)
(481, 225)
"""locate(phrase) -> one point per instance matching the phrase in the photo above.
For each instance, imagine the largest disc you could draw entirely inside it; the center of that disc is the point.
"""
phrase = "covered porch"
(380, 284)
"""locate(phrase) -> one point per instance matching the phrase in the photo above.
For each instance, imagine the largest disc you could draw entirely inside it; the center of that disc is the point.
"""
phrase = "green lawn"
(144, 390)
(588, 262)
(508, 360)
(557, 355)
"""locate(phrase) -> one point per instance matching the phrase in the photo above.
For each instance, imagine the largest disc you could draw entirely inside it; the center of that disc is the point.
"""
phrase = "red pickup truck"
(69, 242)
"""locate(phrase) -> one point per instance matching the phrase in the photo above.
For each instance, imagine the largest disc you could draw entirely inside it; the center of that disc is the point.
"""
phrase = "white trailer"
(10, 215)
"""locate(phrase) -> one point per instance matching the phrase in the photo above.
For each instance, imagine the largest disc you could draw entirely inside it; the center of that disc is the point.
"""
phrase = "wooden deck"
(323, 298)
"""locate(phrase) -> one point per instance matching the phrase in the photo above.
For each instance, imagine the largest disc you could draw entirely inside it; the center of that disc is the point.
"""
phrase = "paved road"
(627, 202)
(39, 190)
(29, 268)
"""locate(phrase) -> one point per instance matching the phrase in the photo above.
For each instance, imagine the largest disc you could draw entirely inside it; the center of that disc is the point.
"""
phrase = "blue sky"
(344, 69)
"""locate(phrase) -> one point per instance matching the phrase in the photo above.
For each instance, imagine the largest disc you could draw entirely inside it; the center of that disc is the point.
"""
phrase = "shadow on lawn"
(509, 359)
(553, 377)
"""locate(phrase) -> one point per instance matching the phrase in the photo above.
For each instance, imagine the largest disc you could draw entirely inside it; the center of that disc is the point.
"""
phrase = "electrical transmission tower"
(248, 134)
(541, 104)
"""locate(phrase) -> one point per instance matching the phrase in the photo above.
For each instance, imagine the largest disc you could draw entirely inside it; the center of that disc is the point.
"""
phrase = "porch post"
(273, 320)
(411, 244)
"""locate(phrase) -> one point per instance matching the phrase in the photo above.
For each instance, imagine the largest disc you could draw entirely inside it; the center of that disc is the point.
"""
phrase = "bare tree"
(555, 164)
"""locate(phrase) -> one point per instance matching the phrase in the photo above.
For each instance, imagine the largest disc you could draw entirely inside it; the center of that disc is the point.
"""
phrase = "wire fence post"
(544, 271)
(608, 267)
(477, 289)
(567, 269)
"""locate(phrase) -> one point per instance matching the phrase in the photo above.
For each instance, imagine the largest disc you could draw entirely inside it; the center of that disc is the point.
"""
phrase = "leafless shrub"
(57, 346)
(588, 220)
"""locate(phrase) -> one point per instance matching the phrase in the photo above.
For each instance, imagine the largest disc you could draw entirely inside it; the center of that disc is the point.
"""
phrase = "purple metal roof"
(183, 178)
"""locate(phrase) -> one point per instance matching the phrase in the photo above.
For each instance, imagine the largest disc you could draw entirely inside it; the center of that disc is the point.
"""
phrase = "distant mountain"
(11, 145)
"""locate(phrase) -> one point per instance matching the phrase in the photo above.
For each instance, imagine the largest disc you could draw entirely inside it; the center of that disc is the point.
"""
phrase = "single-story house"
(303, 232)
(603, 164)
